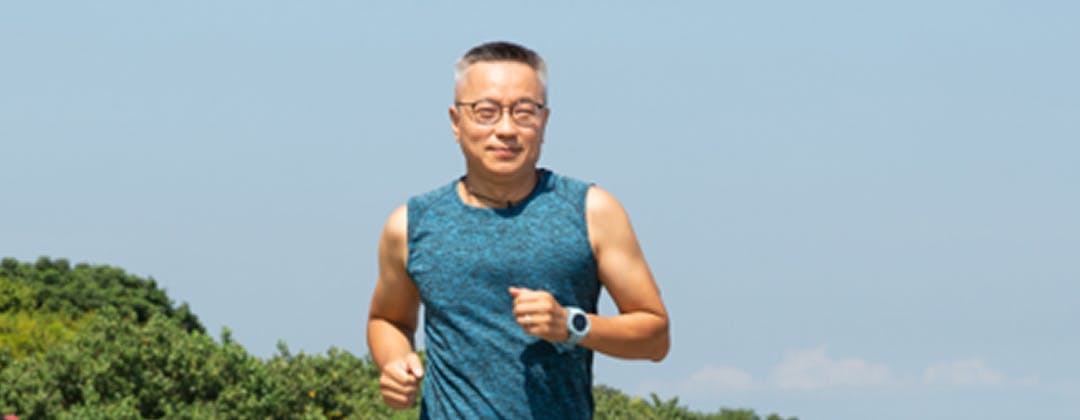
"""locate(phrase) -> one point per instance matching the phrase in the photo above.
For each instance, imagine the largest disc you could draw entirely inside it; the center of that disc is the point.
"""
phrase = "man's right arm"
(392, 320)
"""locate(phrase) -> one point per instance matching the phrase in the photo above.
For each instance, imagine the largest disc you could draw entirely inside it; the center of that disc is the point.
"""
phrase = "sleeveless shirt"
(463, 259)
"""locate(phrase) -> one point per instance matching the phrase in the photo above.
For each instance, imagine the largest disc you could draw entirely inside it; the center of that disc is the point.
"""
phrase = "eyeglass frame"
(472, 109)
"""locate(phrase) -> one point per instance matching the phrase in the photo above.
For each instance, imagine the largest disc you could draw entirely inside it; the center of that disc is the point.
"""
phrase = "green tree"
(92, 342)
(55, 286)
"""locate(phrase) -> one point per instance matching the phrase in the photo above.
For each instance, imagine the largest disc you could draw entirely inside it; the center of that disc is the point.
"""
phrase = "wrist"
(577, 325)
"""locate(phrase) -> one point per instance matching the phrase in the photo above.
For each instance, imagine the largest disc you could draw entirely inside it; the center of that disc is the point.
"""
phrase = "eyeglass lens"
(524, 113)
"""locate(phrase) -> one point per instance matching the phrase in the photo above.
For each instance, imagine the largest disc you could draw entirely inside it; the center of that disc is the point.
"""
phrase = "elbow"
(663, 344)
(659, 357)
(661, 351)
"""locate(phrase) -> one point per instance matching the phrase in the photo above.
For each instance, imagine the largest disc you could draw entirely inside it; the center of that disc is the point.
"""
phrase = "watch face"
(580, 321)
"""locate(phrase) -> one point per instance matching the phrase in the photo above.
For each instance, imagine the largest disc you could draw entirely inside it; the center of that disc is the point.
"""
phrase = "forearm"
(387, 341)
(632, 335)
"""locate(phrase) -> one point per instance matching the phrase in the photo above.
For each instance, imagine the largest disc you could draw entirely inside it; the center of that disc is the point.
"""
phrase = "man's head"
(500, 108)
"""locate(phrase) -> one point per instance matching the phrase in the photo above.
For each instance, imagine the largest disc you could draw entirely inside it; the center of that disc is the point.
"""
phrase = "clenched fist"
(539, 314)
(400, 381)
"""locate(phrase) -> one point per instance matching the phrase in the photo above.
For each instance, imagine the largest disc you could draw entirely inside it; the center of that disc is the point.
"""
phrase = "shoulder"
(423, 201)
(599, 203)
(570, 190)
(563, 183)
(396, 228)
(596, 202)
(402, 218)
(419, 205)
(608, 223)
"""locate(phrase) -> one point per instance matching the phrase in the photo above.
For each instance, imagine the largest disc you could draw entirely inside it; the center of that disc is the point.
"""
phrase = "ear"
(455, 123)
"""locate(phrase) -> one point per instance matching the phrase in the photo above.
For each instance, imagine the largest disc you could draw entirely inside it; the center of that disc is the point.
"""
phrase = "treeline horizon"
(94, 342)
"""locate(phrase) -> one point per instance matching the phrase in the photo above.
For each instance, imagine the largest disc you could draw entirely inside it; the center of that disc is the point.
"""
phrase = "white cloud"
(812, 369)
(969, 372)
(720, 379)
(708, 380)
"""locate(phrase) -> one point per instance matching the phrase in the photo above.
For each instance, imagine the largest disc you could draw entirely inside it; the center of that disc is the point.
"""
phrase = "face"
(504, 147)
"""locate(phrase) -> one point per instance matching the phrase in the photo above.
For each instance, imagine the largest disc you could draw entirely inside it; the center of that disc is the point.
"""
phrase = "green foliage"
(15, 296)
(92, 342)
(337, 385)
(613, 404)
(24, 333)
(54, 286)
(117, 368)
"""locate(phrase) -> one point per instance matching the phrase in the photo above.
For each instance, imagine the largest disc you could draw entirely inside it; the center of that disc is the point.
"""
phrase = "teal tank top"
(463, 259)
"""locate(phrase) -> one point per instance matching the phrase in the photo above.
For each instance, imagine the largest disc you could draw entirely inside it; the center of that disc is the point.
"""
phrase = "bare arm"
(392, 319)
(640, 331)
(641, 328)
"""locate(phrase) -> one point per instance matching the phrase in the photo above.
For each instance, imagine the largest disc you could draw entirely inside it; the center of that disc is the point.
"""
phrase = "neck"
(497, 191)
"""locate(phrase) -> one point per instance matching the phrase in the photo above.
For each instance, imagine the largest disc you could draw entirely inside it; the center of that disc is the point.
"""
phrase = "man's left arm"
(640, 331)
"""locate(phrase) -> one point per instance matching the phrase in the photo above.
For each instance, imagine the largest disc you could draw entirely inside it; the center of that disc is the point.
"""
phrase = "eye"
(526, 108)
(485, 112)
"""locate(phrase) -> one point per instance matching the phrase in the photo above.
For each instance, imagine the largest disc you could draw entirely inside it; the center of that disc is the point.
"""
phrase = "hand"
(539, 314)
(400, 381)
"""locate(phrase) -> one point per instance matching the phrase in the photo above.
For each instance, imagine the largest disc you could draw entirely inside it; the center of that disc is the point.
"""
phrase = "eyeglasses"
(524, 113)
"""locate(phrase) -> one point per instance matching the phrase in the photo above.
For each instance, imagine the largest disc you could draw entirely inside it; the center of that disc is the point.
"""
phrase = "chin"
(503, 169)
(507, 167)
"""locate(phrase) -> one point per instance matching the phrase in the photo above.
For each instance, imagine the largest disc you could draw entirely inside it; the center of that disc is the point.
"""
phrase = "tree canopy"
(93, 342)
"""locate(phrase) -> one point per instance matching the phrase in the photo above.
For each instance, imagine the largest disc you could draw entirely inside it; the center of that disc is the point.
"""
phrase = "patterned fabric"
(463, 259)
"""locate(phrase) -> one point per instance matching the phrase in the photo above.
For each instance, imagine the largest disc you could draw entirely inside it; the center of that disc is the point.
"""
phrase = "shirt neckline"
(544, 176)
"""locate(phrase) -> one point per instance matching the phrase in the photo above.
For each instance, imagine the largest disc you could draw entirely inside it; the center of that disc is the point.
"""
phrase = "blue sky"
(854, 210)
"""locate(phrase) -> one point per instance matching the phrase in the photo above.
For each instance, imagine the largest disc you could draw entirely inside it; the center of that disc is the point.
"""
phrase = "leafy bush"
(54, 286)
(613, 404)
(92, 342)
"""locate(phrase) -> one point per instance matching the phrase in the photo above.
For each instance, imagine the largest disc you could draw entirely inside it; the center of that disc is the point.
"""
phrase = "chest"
(480, 257)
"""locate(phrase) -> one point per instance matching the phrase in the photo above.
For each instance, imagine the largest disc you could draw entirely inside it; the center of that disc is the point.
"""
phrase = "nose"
(505, 127)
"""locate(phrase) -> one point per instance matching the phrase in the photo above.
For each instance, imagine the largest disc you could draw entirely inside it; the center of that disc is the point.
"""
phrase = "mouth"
(503, 151)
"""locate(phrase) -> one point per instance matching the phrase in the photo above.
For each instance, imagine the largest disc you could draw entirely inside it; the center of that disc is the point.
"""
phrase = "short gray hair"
(501, 51)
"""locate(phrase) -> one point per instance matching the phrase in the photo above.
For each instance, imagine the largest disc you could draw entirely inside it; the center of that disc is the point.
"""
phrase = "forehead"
(500, 80)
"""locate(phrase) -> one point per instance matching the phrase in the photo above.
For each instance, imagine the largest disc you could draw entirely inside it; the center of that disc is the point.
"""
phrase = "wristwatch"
(577, 322)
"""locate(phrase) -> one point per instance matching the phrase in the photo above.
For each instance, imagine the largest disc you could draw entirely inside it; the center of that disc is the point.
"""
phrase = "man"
(508, 261)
